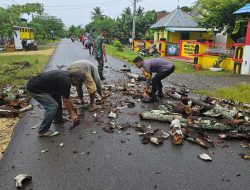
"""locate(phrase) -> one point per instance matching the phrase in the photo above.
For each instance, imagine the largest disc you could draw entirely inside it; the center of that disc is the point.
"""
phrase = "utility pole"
(133, 31)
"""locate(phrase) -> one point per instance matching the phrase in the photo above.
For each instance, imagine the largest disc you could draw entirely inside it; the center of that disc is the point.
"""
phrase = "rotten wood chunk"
(222, 112)
(183, 109)
(125, 70)
(197, 102)
(176, 132)
(108, 129)
(2, 99)
(9, 113)
(134, 93)
(208, 125)
(160, 115)
(235, 135)
(135, 76)
(139, 127)
(198, 137)
(244, 156)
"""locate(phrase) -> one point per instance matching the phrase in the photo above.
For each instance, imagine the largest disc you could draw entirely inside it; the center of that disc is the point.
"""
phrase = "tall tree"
(46, 25)
(218, 14)
(139, 11)
(96, 13)
(127, 11)
(10, 16)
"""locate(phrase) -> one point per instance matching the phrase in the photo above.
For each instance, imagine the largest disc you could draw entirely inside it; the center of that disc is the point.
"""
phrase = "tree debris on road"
(21, 179)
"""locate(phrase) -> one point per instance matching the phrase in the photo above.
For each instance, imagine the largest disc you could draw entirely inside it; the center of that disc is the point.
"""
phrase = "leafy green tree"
(143, 23)
(96, 13)
(10, 16)
(218, 14)
(139, 11)
(187, 9)
(45, 26)
(127, 11)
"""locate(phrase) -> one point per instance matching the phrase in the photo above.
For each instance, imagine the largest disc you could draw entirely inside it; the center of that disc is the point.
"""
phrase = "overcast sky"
(78, 12)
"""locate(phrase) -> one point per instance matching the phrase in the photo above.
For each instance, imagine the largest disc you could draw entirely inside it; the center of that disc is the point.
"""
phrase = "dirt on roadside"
(6, 128)
(39, 52)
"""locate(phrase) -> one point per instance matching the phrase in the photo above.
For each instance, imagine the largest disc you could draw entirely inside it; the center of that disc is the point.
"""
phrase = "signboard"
(173, 49)
(187, 49)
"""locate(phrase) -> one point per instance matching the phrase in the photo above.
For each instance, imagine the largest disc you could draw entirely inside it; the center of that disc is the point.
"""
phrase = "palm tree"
(127, 11)
(97, 13)
(139, 11)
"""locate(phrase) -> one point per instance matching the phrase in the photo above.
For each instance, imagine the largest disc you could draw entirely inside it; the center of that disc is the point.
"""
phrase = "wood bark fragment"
(221, 112)
(235, 135)
(161, 115)
(9, 113)
(198, 137)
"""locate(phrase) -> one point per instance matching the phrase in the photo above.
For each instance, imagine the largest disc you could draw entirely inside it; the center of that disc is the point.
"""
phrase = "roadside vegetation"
(13, 72)
(239, 93)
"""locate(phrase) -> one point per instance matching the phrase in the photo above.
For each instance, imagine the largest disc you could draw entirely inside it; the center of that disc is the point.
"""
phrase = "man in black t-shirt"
(48, 88)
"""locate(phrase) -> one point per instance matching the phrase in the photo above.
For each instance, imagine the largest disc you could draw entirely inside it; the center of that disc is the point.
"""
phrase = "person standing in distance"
(100, 53)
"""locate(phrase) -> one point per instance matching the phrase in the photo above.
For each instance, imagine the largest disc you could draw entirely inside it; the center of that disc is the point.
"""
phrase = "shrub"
(118, 45)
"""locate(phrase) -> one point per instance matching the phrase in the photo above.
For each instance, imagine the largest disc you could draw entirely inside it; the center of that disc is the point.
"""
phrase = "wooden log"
(176, 132)
(132, 75)
(221, 112)
(161, 115)
(198, 137)
(209, 125)
(191, 101)
(235, 135)
(8, 113)
(183, 109)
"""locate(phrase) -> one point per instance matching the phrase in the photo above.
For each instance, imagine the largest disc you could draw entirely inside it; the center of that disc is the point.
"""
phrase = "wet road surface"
(93, 159)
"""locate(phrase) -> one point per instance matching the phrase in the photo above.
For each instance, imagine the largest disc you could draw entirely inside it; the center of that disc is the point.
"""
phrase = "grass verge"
(239, 93)
(11, 74)
(181, 68)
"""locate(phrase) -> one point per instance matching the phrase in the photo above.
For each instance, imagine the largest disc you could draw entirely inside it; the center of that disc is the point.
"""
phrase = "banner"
(187, 49)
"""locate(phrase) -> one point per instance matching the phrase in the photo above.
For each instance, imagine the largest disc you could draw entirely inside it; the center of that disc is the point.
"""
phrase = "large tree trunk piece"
(235, 135)
(160, 115)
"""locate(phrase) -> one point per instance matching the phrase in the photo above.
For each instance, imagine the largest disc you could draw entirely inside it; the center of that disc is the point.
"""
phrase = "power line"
(80, 5)
(83, 7)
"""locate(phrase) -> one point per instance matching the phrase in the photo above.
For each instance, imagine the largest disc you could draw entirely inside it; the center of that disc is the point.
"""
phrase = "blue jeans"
(52, 109)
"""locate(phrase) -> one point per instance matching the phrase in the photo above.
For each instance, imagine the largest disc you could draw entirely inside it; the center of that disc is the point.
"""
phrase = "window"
(185, 36)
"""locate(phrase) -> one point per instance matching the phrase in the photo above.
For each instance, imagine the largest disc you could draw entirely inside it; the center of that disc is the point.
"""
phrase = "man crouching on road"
(48, 88)
(161, 67)
(91, 80)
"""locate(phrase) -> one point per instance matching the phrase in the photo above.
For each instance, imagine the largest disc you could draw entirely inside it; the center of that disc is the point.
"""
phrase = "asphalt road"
(92, 159)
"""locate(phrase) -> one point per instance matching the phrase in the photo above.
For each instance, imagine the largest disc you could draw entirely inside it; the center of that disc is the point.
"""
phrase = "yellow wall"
(208, 61)
(174, 37)
(26, 33)
(187, 49)
(230, 41)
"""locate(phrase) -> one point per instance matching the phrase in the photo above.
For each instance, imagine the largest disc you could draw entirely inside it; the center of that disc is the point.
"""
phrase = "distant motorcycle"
(153, 51)
(72, 39)
(29, 46)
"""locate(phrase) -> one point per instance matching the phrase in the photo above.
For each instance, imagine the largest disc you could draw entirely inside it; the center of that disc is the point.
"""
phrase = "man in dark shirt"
(161, 67)
(48, 88)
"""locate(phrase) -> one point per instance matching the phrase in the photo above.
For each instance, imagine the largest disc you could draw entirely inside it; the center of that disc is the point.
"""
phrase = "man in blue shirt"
(161, 67)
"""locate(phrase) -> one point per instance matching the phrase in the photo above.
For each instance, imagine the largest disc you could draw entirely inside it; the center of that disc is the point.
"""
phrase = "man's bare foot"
(94, 107)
